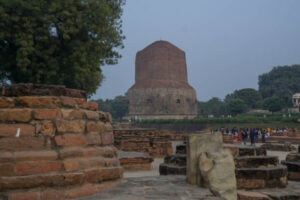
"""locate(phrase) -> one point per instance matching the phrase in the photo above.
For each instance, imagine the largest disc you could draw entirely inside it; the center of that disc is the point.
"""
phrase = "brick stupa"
(54, 144)
(161, 88)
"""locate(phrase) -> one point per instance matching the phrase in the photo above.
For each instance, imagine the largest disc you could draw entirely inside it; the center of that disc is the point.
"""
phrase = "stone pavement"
(156, 188)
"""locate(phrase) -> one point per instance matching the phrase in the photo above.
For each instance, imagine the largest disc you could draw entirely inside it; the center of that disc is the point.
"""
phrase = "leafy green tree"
(59, 42)
(118, 106)
(282, 81)
(273, 103)
(213, 106)
(250, 96)
(237, 106)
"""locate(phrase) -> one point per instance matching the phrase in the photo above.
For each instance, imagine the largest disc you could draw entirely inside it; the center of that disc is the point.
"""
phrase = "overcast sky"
(228, 43)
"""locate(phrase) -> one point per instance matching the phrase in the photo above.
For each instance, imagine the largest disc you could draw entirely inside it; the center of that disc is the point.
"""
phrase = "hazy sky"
(228, 43)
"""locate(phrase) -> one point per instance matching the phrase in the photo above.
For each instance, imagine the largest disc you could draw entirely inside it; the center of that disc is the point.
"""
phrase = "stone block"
(6, 102)
(44, 114)
(70, 152)
(6, 156)
(53, 194)
(24, 143)
(68, 102)
(196, 144)
(46, 128)
(10, 130)
(26, 182)
(92, 115)
(24, 196)
(74, 126)
(248, 195)
(95, 126)
(93, 138)
(293, 157)
(35, 155)
(83, 163)
(256, 161)
(39, 102)
(37, 167)
(217, 173)
(107, 138)
(111, 173)
(15, 115)
(73, 113)
(70, 140)
(7, 169)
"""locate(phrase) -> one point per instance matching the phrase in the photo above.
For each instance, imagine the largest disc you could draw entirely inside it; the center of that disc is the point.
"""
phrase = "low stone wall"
(154, 142)
(135, 161)
(54, 147)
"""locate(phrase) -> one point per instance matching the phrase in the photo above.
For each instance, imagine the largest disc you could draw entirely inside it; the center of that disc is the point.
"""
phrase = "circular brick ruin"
(54, 144)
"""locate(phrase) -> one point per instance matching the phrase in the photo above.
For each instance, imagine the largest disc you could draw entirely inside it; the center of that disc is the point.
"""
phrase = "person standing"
(263, 135)
(244, 137)
(252, 134)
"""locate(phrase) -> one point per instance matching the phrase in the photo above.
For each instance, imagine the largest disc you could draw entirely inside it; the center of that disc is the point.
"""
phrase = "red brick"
(7, 169)
(15, 115)
(75, 126)
(83, 163)
(91, 106)
(6, 156)
(37, 167)
(11, 129)
(71, 152)
(39, 102)
(47, 128)
(95, 127)
(107, 138)
(108, 127)
(111, 173)
(6, 102)
(112, 162)
(52, 194)
(47, 114)
(93, 175)
(35, 155)
(93, 139)
(24, 143)
(70, 140)
(25, 196)
(73, 113)
(92, 115)
(68, 102)
(103, 116)
(84, 190)
(52, 179)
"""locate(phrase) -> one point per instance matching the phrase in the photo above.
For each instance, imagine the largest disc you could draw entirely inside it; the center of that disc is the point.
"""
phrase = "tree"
(251, 97)
(59, 42)
(282, 81)
(118, 106)
(214, 106)
(237, 106)
(273, 103)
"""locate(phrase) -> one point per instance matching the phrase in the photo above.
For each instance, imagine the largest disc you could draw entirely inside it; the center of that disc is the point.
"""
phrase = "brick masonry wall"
(64, 148)
(156, 143)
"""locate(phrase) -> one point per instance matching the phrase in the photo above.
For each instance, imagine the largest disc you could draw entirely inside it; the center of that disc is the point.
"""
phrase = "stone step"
(169, 169)
(258, 178)
(255, 161)
(241, 150)
(181, 149)
(177, 159)
(293, 157)
(293, 170)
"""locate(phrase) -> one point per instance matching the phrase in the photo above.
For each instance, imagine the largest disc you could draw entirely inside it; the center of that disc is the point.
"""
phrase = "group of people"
(244, 133)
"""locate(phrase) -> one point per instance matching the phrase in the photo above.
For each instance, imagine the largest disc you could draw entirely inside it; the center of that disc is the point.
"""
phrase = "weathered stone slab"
(217, 173)
(196, 144)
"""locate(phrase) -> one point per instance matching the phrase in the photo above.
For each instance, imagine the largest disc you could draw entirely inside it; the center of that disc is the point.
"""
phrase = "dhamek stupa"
(161, 89)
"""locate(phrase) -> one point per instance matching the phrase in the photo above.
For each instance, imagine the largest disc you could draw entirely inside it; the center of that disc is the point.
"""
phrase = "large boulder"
(217, 172)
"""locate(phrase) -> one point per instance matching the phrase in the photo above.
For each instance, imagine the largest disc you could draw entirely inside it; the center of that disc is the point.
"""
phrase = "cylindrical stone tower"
(161, 88)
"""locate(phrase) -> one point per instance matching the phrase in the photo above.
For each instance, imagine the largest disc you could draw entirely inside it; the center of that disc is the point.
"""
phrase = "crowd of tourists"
(254, 134)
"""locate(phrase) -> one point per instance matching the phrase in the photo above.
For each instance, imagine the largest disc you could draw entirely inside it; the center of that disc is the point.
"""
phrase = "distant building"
(161, 89)
(296, 104)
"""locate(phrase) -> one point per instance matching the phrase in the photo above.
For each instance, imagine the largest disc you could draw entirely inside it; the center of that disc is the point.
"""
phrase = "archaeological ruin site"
(57, 145)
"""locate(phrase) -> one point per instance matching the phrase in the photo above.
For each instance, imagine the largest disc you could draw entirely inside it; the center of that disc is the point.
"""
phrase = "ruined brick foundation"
(54, 144)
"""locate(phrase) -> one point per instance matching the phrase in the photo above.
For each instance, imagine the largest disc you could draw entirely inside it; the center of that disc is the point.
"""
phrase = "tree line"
(275, 92)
